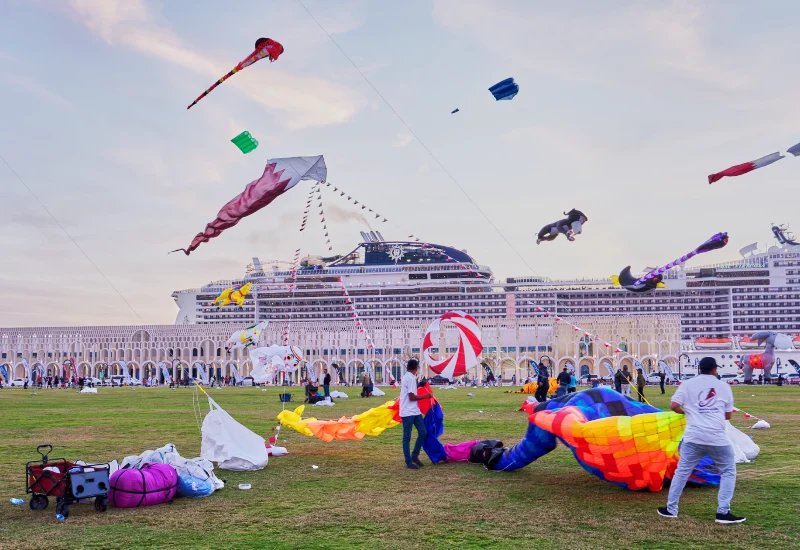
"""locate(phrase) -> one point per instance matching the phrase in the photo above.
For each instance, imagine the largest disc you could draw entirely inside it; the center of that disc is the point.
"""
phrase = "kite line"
(85, 255)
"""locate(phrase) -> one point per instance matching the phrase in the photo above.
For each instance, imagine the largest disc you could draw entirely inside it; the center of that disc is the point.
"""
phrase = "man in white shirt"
(411, 415)
(707, 403)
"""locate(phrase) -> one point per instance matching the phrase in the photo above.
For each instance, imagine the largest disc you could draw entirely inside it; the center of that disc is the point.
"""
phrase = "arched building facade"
(509, 345)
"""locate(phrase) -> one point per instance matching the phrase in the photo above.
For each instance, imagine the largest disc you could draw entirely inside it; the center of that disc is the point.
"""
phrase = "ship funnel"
(365, 237)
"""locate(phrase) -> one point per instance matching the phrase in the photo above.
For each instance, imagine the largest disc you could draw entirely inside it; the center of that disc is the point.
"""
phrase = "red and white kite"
(469, 345)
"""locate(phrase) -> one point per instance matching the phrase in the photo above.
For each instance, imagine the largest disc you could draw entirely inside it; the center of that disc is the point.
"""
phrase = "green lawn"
(362, 497)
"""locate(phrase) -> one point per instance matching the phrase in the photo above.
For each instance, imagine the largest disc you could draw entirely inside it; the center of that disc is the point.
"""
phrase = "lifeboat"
(713, 343)
(747, 343)
(796, 342)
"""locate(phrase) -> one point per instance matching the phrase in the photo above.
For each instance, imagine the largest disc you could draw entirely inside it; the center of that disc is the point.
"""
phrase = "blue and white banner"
(4, 373)
(535, 367)
(125, 372)
(201, 372)
(570, 367)
(28, 371)
(164, 372)
(608, 367)
(235, 372)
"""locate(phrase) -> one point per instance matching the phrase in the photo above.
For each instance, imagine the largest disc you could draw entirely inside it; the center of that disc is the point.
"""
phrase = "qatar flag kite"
(740, 169)
(279, 176)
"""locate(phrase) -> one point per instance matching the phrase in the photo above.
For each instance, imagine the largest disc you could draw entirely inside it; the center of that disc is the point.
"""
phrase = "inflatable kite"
(764, 361)
(627, 281)
(740, 169)
(269, 361)
(245, 142)
(505, 89)
(233, 294)
(654, 279)
(241, 339)
(469, 345)
(265, 47)
(279, 176)
(569, 227)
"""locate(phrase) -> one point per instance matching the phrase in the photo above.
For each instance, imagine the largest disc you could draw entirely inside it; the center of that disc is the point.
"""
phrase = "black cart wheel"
(62, 508)
(101, 503)
(38, 502)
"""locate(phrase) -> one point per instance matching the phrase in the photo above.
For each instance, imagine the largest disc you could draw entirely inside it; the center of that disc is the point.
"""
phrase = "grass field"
(361, 496)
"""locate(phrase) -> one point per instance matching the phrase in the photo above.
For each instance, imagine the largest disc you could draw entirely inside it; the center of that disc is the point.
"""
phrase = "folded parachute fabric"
(338, 394)
(372, 422)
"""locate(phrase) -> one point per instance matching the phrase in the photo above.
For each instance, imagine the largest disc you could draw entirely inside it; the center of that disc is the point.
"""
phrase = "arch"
(586, 366)
(353, 369)
(508, 367)
(84, 369)
(318, 365)
(563, 363)
(649, 362)
(19, 367)
(626, 360)
(149, 368)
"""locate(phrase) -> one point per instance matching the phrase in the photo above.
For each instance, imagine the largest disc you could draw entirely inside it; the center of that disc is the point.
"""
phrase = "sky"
(624, 109)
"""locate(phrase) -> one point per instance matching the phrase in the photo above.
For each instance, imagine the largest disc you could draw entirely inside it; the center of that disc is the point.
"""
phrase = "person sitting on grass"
(412, 415)
(707, 403)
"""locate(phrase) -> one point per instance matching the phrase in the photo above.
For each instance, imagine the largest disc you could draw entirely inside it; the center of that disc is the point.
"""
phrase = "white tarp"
(336, 394)
(744, 449)
(229, 443)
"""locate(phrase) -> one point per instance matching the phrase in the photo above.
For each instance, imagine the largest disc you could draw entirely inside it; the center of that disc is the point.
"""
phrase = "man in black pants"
(542, 384)
(326, 382)
(661, 376)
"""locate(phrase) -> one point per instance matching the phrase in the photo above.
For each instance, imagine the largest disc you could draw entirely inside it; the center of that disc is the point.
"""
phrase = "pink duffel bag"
(152, 484)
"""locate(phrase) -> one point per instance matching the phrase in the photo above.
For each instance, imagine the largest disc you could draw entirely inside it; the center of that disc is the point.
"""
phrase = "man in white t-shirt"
(707, 403)
(411, 415)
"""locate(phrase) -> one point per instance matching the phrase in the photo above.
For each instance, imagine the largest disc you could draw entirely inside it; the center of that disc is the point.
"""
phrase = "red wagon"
(67, 481)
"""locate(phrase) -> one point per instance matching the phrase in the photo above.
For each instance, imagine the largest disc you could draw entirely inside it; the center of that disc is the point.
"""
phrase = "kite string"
(430, 153)
(70, 238)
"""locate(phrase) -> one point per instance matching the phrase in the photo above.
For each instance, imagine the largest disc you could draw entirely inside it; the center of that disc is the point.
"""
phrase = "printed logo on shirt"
(709, 400)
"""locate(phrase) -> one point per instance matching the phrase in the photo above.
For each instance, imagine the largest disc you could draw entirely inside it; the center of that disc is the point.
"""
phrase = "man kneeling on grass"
(707, 403)
(411, 415)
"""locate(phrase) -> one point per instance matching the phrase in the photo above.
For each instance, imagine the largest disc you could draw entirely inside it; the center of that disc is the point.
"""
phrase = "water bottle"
(17, 501)
(60, 517)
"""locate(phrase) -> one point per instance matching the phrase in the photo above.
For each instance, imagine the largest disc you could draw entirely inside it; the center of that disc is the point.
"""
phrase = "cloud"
(304, 101)
(38, 90)
(403, 139)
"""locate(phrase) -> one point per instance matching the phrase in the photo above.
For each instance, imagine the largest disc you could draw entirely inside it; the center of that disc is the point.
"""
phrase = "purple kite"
(279, 176)
(740, 169)
(794, 149)
(717, 241)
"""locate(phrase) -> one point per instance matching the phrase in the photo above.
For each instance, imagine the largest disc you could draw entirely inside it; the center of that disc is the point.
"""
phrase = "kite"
(271, 360)
(265, 47)
(454, 111)
(570, 226)
(794, 149)
(241, 339)
(469, 345)
(782, 235)
(505, 89)
(627, 281)
(279, 176)
(764, 361)
(233, 294)
(740, 169)
(245, 142)
(714, 243)
(654, 279)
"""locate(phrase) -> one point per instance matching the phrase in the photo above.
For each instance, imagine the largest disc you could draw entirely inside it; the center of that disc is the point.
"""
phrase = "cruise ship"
(719, 304)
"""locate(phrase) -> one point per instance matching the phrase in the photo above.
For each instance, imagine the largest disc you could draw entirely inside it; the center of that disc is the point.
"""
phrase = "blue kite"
(505, 89)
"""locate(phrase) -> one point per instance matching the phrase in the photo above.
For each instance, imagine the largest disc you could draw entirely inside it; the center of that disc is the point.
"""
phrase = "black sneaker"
(417, 461)
(412, 466)
(663, 512)
(729, 518)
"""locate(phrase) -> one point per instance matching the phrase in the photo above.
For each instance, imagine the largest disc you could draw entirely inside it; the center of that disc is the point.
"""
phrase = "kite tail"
(179, 250)
(664, 269)
(217, 83)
